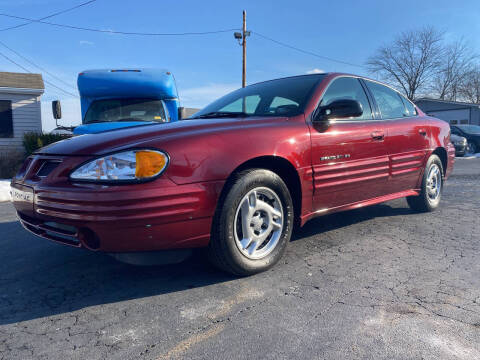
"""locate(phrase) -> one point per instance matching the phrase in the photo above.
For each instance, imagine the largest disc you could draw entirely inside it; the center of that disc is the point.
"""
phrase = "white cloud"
(200, 96)
(315, 71)
(71, 114)
(86, 42)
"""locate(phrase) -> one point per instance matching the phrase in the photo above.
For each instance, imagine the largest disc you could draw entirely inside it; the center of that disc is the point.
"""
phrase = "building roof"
(21, 80)
(447, 102)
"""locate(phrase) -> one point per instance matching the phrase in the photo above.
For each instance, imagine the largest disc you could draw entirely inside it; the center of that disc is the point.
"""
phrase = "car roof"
(329, 74)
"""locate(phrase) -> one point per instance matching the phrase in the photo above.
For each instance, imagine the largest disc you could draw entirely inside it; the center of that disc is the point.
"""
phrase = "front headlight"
(132, 165)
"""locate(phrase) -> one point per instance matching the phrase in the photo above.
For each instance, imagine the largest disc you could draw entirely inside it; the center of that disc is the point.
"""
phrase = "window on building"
(6, 120)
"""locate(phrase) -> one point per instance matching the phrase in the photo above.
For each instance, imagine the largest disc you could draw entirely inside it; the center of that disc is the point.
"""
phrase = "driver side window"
(351, 89)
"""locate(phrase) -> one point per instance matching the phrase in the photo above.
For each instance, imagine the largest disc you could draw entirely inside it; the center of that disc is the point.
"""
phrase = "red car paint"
(385, 160)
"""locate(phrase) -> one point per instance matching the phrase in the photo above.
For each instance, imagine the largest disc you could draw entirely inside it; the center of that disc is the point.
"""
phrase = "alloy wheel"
(434, 183)
(259, 221)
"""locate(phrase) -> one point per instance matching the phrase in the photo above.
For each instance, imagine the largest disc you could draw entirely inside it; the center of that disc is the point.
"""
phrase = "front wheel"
(432, 186)
(252, 224)
(472, 148)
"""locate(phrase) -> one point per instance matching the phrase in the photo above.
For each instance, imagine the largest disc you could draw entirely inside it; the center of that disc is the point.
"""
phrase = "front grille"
(47, 167)
(62, 233)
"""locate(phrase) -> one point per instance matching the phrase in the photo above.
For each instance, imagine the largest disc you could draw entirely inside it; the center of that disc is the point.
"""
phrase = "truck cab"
(118, 98)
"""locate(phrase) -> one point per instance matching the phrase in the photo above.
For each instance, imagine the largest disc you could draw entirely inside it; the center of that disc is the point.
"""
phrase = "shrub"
(10, 162)
(33, 141)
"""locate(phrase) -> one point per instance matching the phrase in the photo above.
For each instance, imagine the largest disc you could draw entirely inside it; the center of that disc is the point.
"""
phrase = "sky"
(209, 66)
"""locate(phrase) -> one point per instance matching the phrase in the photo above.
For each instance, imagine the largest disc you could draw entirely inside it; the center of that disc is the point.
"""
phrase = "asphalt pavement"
(373, 283)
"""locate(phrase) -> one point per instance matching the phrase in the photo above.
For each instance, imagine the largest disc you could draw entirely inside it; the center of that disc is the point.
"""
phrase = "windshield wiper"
(220, 114)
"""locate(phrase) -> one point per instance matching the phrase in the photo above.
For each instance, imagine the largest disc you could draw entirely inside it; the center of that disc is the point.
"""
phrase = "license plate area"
(22, 197)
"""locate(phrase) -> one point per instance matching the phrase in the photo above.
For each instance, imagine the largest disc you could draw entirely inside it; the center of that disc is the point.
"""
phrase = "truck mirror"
(56, 109)
(182, 113)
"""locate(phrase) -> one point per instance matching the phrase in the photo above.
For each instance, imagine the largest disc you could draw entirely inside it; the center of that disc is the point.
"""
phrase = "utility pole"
(243, 37)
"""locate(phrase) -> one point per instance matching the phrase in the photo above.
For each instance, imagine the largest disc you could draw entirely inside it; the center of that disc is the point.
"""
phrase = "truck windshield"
(282, 97)
(110, 110)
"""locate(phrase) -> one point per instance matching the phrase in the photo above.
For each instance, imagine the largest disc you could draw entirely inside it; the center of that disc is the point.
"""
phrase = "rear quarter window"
(410, 109)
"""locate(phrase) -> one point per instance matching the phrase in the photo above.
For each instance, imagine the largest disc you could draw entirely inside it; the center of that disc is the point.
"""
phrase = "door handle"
(378, 135)
(422, 132)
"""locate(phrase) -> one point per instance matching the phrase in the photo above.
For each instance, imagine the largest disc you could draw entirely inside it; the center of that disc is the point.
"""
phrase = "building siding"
(26, 116)
(434, 106)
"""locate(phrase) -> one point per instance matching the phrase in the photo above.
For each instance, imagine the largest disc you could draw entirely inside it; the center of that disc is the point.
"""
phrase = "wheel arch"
(442, 154)
(279, 165)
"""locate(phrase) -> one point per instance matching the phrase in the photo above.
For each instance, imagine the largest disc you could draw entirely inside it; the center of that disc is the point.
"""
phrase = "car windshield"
(110, 110)
(470, 129)
(282, 97)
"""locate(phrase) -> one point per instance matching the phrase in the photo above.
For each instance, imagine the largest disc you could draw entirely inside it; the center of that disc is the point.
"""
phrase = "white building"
(454, 112)
(19, 108)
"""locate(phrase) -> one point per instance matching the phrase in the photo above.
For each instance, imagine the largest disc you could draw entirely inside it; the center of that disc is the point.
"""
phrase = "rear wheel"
(432, 186)
(252, 224)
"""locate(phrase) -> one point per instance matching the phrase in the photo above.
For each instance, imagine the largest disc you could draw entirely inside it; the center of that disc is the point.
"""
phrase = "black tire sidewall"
(245, 183)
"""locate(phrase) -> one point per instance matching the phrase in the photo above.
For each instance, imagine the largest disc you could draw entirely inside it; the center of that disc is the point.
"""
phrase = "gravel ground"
(373, 283)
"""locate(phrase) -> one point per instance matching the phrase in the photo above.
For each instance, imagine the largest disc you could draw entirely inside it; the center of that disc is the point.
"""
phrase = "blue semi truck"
(118, 98)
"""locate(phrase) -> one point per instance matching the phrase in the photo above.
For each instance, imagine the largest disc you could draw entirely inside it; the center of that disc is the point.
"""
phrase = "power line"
(306, 51)
(28, 71)
(37, 66)
(49, 16)
(113, 31)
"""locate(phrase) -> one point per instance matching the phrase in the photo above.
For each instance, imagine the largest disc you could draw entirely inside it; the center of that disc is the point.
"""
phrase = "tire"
(432, 187)
(472, 147)
(258, 203)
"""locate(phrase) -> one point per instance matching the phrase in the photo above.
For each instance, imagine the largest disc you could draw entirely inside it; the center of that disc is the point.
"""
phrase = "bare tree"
(410, 61)
(456, 63)
(469, 89)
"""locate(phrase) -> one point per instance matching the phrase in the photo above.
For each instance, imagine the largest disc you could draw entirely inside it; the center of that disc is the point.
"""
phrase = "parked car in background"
(237, 176)
(471, 133)
(460, 143)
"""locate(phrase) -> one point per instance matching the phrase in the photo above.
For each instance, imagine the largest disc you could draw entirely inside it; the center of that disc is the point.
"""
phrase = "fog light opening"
(89, 239)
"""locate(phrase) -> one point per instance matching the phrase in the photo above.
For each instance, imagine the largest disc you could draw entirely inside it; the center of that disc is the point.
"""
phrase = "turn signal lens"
(123, 166)
(149, 163)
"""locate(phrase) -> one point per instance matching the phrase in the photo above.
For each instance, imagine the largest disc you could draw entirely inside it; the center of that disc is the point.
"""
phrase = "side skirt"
(359, 204)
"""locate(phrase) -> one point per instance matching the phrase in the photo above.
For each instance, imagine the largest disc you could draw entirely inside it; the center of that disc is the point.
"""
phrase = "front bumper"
(117, 218)
(460, 149)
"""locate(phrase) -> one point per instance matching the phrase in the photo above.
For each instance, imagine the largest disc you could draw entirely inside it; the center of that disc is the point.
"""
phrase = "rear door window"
(388, 101)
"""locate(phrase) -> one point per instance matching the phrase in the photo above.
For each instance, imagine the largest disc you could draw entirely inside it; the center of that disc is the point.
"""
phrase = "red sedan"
(238, 175)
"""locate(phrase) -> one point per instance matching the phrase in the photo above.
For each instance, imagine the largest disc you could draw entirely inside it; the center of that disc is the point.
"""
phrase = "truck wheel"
(432, 186)
(253, 223)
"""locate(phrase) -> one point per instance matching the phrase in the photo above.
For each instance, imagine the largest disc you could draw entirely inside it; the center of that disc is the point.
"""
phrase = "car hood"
(457, 138)
(119, 139)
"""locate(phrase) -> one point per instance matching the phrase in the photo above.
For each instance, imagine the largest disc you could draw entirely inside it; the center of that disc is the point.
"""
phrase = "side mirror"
(338, 109)
(56, 109)
(182, 113)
